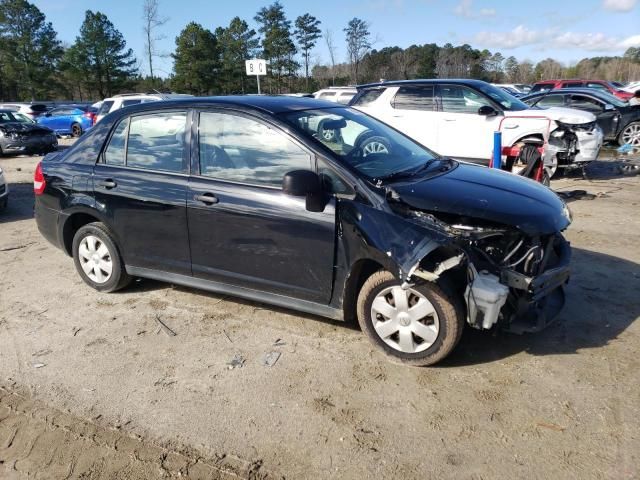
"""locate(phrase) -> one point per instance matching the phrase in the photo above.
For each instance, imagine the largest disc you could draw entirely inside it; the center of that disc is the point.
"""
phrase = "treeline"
(34, 64)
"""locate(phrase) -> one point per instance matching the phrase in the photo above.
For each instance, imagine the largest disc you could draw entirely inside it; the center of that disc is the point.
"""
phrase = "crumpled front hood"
(491, 195)
(24, 127)
(564, 115)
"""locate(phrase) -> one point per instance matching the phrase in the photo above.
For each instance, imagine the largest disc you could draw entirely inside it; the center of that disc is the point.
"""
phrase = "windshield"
(7, 117)
(369, 146)
(506, 101)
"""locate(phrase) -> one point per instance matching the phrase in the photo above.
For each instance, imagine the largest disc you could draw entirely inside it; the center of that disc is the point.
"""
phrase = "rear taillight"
(39, 182)
(91, 116)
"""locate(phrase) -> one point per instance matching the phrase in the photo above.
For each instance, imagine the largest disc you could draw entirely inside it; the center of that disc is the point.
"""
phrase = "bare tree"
(328, 38)
(152, 21)
(358, 44)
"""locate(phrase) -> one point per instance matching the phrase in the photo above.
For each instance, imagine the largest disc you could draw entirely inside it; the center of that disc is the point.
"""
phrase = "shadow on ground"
(20, 203)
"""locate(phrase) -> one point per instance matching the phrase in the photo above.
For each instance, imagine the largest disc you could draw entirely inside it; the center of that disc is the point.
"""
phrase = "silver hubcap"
(95, 259)
(631, 135)
(374, 147)
(328, 135)
(404, 319)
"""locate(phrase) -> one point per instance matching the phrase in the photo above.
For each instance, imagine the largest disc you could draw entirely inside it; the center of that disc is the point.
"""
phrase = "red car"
(597, 84)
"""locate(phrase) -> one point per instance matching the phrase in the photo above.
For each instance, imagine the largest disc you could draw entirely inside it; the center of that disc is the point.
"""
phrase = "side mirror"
(48, 114)
(487, 111)
(305, 183)
(608, 107)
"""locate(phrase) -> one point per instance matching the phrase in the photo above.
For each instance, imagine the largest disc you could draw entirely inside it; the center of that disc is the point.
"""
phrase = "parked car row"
(19, 135)
(254, 203)
(611, 87)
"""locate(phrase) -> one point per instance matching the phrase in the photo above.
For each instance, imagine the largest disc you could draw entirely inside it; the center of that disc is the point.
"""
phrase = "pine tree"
(277, 44)
(101, 52)
(236, 43)
(30, 50)
(307, 33)
(358, 44)
(196, 61)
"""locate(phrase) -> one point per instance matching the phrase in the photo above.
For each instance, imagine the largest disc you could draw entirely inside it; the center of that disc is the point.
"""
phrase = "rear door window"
(156, 141)
(415, 98)
(240, 149)
(116, 151)
(126, 103)
(572, 84)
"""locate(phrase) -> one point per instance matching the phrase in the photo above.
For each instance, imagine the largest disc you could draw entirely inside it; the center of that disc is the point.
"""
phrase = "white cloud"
(465, 9)
(619, 5)
(521, 36)
(518, 37)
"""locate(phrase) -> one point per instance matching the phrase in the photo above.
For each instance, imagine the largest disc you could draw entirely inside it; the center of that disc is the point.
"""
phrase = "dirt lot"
(91, 387)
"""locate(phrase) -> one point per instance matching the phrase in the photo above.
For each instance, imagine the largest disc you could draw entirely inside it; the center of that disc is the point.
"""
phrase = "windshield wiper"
(409, 172)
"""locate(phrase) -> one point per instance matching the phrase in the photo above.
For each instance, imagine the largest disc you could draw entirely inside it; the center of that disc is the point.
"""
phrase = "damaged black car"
(21, 135)
(244, 196)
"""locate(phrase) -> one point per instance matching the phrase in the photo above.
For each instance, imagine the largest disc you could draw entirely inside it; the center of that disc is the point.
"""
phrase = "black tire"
(377, 145)
(635, 125)
(76, 130)
(118, 278)
(450, 315)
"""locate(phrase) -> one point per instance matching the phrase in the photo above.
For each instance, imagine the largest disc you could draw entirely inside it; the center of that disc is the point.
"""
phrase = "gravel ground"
(92, 387)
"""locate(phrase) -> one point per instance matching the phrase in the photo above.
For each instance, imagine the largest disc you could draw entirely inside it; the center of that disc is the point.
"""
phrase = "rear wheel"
(76, 130)
(418, 326)
(98, 259)
(375, 145)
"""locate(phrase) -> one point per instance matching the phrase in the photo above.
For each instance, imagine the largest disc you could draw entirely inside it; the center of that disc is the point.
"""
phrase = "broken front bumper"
(534, 302)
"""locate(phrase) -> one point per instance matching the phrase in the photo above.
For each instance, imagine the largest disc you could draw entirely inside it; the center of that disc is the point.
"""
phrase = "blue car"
(70, 120)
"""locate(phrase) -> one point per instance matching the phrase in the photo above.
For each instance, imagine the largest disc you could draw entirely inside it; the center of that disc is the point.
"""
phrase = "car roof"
(398, 83)
(562, 91)
(265, 103)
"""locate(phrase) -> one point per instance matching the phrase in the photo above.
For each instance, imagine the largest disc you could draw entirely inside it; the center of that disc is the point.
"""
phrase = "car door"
(414, 111)
(463, 132)
(50, 119)
(606, 119)
(243, 229)
(140, 183)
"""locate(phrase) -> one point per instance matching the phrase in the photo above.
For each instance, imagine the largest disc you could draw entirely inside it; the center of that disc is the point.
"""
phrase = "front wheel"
(97, 259)
(630, 134)
(418, 326)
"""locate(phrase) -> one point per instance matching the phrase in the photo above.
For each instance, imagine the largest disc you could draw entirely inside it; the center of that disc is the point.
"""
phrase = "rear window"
(126, 103)
(105, 107)
(367, 97)
(571, 84)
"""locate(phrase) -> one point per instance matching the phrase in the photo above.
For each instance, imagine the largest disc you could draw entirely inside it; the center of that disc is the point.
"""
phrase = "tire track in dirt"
(40, 442)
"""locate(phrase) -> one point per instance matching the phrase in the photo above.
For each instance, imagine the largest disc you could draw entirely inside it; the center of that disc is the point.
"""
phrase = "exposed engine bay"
(505, 276)
(574, 145)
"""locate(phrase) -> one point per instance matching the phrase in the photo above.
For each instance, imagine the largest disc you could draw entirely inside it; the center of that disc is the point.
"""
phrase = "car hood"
(23, 127)
(564, 115)
(491, 195)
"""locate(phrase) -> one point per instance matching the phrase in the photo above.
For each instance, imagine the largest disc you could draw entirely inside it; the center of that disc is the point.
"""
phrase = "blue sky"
(567, 30)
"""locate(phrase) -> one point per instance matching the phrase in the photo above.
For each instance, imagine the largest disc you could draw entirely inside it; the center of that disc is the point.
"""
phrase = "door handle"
(206, 198)
(510, 127)
(108, 184)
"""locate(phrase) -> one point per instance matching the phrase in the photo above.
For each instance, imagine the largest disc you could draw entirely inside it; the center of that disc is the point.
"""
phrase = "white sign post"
(257, 67)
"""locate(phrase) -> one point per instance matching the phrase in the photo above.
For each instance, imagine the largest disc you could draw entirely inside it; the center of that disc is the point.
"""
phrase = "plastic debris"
(626, 148)
(39, 365)
(236, 362)
(279, 343)
(269, 359)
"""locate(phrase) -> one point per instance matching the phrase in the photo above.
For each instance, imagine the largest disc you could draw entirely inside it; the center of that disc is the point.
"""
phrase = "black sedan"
(242, 196)
(19, 134)
(619, 121)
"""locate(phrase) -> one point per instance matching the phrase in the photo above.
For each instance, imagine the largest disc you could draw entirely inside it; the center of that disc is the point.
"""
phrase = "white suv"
(126, 99)
(457, 118)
